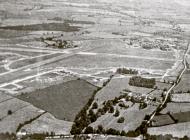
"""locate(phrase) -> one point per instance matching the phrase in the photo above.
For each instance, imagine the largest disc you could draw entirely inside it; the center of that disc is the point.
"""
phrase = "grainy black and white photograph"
(94, 69)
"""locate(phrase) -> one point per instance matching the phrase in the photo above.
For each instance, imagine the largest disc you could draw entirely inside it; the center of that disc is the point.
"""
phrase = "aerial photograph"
(94, 69)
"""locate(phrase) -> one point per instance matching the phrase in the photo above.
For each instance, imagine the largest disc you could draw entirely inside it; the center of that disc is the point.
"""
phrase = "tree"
(142, 82)
(121, 120)
(111, 109)
(112, 131)
(9, 112)
(123, 133)
(95, 105)
(89, 130)
(142, 105)
(100, 129)
(116, 113)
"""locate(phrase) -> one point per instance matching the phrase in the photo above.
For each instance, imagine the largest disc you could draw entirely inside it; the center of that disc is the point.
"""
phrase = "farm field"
(115, 88)
(184, 83)
(177, 130)
(55, 54)
(14, 112)
(61, 98)
(109, 121)
(48, 123)
(176, 107)
(183, 97)
(22, 115)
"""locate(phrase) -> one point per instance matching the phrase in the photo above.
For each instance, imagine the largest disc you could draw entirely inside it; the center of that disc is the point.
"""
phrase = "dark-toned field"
(40, 27)
(64, 101)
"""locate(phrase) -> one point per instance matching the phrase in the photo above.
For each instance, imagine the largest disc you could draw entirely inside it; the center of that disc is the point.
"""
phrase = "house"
(21, 133)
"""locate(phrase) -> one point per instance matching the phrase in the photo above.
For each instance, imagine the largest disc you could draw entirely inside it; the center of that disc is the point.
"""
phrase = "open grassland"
(170, 118)
(162, 120)
(176, 130)
(59, 99)
(14, 112)
(109, 121)
(2, 70)
(176, 107)
(183, 86)
(103, 61)
(12, 104)
(11, 122)
(162, 86)
(28, 61)
(181, 97)
(43, 27)
(4, 97)
(21, 52)
(43, 81)
(115, 88)
(119, 47)
(12, 33)
(48, 123)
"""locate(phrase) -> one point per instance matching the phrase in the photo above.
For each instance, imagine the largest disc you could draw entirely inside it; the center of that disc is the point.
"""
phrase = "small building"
(21, 133)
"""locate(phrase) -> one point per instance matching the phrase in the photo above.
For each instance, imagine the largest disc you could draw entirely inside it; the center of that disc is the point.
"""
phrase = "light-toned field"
(130, 123)
(20, 113)
(176, 130)
(48, 123)
(183, 86)
(115, 88)
(162, 86)
(43, 81)
(120, 48)
(29, 61)
(176, 107)
(106, 61)
(183, 97)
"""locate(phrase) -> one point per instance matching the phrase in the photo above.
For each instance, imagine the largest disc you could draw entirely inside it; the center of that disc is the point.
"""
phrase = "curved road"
(174, 85)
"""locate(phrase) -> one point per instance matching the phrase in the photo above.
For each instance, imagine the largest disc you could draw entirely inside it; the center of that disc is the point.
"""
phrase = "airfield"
(55, 55)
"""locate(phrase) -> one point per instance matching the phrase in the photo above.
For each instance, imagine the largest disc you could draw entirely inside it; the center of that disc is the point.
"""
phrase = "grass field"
(130, 123)
(120, 48)
(44, 27)
(43, 81)
(184, 83)
(25, 53)
(48, 123)
(176, 107)
(28, 61)
(102, 61)
(162, 120)
(181, 97)
(59, 99)
(2, 69)
(20, 112)
(172, 118)
(12, 104)
(162, 86)
(115, 87)
(4, 97)
(11, 122)
(176, 130)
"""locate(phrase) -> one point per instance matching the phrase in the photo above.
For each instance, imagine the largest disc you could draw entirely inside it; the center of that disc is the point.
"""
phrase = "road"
(173, 86)
(32, 70)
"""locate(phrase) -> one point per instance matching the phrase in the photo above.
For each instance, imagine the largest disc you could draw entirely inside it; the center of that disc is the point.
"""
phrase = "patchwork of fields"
(55, 55)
